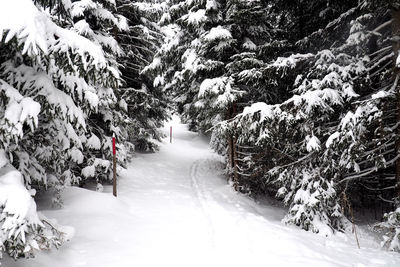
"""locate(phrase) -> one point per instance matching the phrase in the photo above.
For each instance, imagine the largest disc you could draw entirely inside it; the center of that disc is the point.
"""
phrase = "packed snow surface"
(175, 208)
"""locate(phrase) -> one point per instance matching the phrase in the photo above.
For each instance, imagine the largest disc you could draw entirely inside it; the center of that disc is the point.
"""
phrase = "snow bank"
(22, 229)
(174, 208)
(16, 200)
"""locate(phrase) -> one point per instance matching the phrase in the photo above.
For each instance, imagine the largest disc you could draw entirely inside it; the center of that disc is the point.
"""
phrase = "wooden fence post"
(235, 168)
(114, 166)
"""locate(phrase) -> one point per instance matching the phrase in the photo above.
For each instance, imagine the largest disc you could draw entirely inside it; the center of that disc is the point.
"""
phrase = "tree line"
(301, 96)
(70, 79)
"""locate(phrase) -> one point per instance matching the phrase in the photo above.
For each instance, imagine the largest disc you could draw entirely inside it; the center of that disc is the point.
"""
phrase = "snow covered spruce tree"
(334, 137)
(45, 100)
(184, 66)
(144, 99)
(293, 134)
(22, 230)
(197, 51)
(209, 44)
(385, 101)
(57, 81)
(99, 22)
(264, 81)
(322, 127)
(299, 155)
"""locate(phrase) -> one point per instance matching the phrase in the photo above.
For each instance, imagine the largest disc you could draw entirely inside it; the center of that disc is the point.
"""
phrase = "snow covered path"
(175, 208)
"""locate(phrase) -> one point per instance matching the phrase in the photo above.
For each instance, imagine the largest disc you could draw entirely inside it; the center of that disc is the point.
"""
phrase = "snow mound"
(22, 229)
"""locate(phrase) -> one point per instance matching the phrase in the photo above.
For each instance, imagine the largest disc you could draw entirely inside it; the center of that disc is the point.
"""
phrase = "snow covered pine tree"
(320, 125)
(144, 99)
(52, 81)
(320, 143)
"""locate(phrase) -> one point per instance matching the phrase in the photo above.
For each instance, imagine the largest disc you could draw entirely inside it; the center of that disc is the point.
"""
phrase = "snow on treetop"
(76, 155)
(249, 44)
(218, 33)
(195, 18)
(156, 63)
(122, 23)
(105, 14)
(313, 143)
(158, 80)
(352, 119)
(212, 86)
(291, 61)
(358, 34)
(173, 36)
(94, 142)
(219, 90)
(165, 19)
(265, 110)
(325, 56)
(380, 94)
(35, 30)
(332, 138)
(152, 7)
(211, 5)
(83, 28)
(79, 7)
(190, 58)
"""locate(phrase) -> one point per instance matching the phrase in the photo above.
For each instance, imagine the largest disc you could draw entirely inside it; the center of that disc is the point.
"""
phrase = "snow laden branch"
(36, 32)
(59, 89)
(23, 231)
(304, 178)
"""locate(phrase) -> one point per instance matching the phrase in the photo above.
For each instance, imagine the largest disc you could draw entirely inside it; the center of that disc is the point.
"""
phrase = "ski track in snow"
(175, 209)
(202, 199)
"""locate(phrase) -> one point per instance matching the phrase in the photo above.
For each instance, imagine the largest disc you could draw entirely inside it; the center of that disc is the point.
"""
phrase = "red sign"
(113, 144)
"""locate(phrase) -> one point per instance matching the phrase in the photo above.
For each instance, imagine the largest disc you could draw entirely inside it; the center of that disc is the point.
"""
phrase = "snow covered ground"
(174, 208)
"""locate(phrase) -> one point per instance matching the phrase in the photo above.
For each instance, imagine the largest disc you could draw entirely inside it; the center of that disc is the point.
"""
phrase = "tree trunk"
(235, 168)
(396, 75)
(300, 15)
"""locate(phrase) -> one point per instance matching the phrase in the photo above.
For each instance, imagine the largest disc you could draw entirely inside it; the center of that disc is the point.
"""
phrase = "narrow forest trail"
(174, 208)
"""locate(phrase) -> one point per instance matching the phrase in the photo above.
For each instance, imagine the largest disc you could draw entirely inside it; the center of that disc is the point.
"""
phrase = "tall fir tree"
(145, 101)
(57, 82)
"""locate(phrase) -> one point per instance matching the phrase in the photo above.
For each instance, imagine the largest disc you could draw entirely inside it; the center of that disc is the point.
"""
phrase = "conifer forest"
(227, 115)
